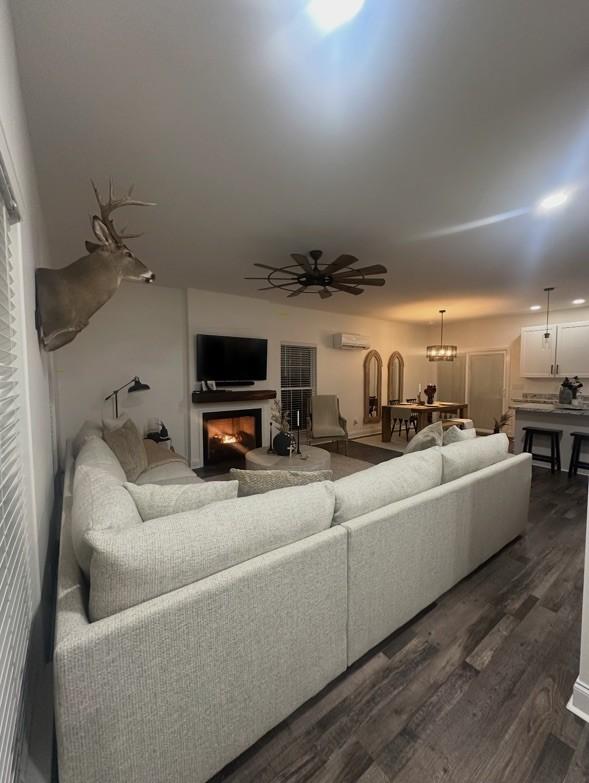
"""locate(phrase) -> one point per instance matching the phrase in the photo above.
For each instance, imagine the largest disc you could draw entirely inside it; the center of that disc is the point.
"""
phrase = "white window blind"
(15, 604)
(297, 372)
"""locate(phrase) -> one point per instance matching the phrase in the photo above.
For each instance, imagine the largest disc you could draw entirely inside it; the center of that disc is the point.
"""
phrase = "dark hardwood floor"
(471, 691)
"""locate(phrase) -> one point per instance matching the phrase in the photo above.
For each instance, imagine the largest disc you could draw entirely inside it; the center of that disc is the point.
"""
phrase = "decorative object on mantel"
(430, 392)
(441, 352)
(284, 442)
(307, 276)
(501, 422)
(135, 385)
(68, 297)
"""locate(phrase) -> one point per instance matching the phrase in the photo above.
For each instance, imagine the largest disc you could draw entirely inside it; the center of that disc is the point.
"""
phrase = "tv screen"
(230, 358)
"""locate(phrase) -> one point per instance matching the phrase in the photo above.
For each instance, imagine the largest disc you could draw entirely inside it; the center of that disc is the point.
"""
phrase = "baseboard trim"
(578, 704)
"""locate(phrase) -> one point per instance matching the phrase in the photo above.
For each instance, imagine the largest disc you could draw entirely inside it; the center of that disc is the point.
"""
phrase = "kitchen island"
(549, 416)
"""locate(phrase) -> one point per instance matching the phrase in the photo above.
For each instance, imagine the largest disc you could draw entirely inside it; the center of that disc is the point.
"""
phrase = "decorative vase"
(565, 395)
(282, 443)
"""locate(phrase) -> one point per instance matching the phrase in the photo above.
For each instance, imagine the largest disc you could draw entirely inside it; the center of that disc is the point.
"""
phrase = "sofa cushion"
(127, 444)
(100, 502)
(96, 454)
(131, 566)
(89, 429)
(386, 483)
(429, 436)
(153, 500)
(454, 435)
(168, 473)
(256, 482)
(459, 459)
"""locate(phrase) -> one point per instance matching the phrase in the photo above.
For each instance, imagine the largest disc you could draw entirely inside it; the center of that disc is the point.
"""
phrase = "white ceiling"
(258, 137)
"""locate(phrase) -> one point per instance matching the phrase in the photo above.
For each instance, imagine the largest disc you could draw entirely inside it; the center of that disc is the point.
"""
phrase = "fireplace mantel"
(205, 398)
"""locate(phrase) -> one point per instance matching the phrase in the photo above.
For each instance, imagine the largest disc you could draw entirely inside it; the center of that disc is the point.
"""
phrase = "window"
(15, 603)
(297, 373)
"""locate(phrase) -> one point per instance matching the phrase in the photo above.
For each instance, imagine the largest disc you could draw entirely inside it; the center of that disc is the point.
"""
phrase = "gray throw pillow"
(256, 482)
(127, 445)
(153, 500)
(454, 435)
(426, 438)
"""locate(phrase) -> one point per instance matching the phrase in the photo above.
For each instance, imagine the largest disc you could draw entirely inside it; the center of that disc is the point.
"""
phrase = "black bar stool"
(554, 435)
(576, 462)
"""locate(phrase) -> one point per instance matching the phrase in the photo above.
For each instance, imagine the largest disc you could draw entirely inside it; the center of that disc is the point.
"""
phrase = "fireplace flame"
(229, 439)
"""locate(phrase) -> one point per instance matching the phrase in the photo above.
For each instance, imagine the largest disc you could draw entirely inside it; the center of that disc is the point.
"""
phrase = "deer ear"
(101, 232)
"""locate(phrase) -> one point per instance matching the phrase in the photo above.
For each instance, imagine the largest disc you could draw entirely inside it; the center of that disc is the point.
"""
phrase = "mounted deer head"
(67, 298)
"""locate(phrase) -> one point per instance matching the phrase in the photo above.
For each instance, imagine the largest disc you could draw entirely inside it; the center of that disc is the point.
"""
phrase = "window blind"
(15, 602)
(297, 374)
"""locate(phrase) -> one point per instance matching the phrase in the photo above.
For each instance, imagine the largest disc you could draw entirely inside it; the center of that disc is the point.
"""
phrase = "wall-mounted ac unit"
(349, 341)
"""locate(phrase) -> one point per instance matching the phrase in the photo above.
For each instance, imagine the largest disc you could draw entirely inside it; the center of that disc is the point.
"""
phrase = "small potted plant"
(284, 440)
(501, 422)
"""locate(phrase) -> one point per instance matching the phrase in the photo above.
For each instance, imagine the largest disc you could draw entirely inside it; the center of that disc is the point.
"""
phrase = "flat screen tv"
(228, 359)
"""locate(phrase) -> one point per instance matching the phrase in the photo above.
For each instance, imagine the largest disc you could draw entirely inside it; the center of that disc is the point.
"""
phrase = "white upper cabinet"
(572, 355)
(538, 356)
(565, 353)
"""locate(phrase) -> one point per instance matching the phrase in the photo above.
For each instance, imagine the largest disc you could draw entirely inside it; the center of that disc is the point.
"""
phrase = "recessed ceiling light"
(579, 301)
(554, 200)
(536, 307)
(329, 14)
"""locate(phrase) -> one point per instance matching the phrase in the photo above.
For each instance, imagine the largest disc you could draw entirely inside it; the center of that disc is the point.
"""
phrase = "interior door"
(572, 355)
(486, 387)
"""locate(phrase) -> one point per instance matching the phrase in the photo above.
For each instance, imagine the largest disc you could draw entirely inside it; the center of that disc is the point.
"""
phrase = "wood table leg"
(422, 419)
(386, 424)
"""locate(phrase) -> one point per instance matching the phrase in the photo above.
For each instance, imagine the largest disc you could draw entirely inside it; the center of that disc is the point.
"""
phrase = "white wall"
(504, 332)
(39, 456)
(140, 331)
(338, 372)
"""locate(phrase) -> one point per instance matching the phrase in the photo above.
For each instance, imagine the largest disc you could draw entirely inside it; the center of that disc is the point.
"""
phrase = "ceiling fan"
(308, 276)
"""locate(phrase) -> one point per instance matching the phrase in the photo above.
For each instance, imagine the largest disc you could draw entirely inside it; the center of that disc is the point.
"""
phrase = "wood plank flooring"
(471, 691)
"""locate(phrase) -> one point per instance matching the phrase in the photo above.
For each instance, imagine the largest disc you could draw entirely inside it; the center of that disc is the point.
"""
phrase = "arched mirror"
(372, 387)
(395, 372)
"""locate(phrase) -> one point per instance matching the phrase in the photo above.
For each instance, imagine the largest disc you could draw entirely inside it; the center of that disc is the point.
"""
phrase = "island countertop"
(540, 407)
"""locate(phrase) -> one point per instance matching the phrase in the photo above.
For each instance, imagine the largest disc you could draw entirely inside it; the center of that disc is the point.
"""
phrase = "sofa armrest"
(175, 688)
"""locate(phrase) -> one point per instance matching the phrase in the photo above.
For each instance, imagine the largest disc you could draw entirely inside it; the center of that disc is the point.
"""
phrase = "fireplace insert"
(228, 435)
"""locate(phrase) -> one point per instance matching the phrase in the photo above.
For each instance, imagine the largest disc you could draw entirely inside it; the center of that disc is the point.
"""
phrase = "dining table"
(424, 413)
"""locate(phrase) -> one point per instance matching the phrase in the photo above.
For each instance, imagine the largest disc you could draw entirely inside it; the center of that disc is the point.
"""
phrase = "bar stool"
(554, 435)
(576, 462)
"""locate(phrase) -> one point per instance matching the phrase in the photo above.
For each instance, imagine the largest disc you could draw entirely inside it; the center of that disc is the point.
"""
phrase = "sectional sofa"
(196, 633)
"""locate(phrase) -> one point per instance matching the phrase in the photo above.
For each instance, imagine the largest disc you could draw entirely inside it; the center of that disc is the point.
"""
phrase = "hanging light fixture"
(441, 352)
(547, 333)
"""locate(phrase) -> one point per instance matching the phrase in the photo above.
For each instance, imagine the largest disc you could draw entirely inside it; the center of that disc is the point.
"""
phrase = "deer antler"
(107, 208)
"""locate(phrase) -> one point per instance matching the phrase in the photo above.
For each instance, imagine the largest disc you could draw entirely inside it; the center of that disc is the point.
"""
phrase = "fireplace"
(228, 435)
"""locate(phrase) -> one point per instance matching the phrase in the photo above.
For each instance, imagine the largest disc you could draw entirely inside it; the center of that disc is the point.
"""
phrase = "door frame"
(506, 371)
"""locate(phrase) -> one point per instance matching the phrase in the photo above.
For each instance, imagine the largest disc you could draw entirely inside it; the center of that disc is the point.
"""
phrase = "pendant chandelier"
(547, 334)
(441, 352)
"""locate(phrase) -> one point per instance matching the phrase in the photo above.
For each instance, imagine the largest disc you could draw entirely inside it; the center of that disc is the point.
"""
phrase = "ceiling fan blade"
(289, 279)
(325, 294)
(276, 269)
(361, 281)
(302, 261)
(375, 269)
(297, 292)
(347, 288)
(339, 263)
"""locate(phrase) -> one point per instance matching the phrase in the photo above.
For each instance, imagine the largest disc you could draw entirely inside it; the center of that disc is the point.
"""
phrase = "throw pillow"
(153, 500)
(127, 445)
(454, 435)
(429, 436)
(256, 482)
(133, 566)
(460, 459)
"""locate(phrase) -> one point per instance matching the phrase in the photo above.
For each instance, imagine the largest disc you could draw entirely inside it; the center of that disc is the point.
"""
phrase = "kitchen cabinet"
(566, 352)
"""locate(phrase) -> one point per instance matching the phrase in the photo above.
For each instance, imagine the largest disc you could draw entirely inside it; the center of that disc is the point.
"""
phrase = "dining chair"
(414, 416)
(403, 415)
